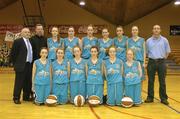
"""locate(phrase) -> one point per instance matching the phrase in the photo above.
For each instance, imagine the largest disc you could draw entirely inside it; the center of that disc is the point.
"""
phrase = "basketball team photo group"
(73, 70)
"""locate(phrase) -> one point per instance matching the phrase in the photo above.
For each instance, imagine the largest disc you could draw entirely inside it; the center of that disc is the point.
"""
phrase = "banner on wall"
(79, 29)
(10, 27)
(10, 36)
(175, 30)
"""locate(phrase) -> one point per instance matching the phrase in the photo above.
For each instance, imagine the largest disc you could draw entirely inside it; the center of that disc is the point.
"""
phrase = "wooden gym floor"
(27, 110)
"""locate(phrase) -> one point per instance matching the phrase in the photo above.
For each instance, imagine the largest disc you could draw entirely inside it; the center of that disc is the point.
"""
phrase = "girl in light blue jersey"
(41, 77)
(69, 43)
(137, 44)
(120, 42)
(60, 78)
(88, 42)
(113, 72)
(77, 75)
(94, 83)
(53, 43)
(132, 78)
(104, 44)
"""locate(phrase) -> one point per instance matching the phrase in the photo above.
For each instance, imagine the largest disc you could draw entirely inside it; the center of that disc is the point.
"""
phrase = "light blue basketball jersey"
(87, 44)
(60, 72)
(113, 71)
(131, 73)
(94, 72)
(42, 75)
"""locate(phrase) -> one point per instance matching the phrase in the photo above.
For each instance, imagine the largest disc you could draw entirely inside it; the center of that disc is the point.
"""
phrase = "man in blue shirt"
(158, 50)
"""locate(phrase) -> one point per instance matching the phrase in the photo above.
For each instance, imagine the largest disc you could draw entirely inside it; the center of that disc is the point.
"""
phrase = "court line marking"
(170, 107)
(94, 113)
(142, 117)
(174, 99)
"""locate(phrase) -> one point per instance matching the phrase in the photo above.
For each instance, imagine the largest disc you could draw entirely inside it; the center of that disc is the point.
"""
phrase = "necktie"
(29, 54)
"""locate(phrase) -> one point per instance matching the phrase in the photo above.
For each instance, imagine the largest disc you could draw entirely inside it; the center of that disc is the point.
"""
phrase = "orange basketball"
(51, 100)
(79, 101)
(94, 100)
(127, 102)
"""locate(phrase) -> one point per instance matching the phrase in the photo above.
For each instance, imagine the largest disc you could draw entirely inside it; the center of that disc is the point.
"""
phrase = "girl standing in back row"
(88, 42)
(104, 44)
(69, 43)
(53, 43)
(137, 44)
(120, 42)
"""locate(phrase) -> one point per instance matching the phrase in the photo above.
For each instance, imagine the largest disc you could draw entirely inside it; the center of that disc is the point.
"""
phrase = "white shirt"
(28, 50)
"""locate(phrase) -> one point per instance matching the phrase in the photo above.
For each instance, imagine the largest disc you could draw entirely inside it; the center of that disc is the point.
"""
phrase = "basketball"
(94, 100)
(127, 102)
(51, 100)
(79, 101)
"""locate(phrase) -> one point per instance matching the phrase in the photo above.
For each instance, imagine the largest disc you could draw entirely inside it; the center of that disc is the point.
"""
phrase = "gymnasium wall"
(54, 12)
(165, 16)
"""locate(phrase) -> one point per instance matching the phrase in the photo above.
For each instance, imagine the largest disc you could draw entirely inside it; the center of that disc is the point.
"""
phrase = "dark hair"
(95, 47)
(43, 49)
(38, 25)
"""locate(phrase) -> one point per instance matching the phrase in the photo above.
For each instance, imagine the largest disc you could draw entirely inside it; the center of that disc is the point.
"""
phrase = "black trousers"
(158, 66)
(23, 81)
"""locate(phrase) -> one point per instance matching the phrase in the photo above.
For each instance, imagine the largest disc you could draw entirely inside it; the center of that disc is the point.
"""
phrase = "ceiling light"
(82, 3)
(177, 2)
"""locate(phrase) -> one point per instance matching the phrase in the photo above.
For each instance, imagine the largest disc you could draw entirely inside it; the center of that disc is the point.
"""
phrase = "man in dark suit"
(38, 41)
(21, 56)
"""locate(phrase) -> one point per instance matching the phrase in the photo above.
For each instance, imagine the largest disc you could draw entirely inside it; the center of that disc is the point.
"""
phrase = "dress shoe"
(17, 101)
(27, 99)
(148, 100)
(165, 102)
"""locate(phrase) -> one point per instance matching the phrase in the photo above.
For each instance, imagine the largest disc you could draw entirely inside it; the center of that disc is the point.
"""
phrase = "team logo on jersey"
(119, 49)
(135, 48)
(59, 72)
(87, 46)
(43, 73)
(93, 72)
(112, 71)
(131, 75)
(77, 71)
